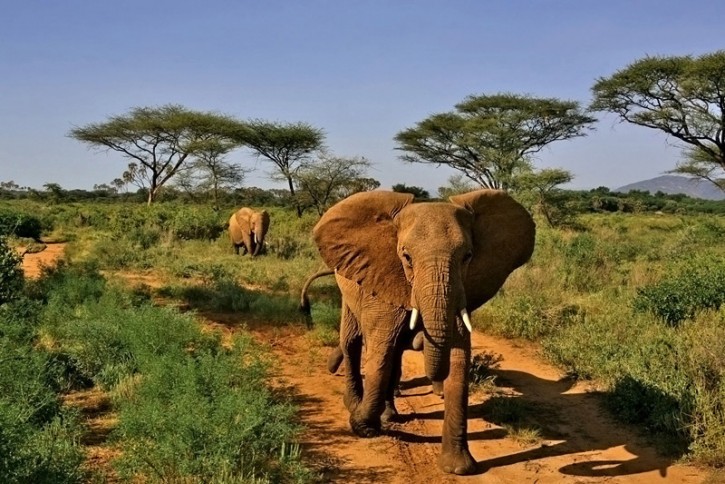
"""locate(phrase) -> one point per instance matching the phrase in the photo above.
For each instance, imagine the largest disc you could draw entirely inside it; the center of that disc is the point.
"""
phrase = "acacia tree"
(328, 179)
(491, 139)
(457, 184)
(683, 96)
(158, 139)
(209, 171)
(546, 196)
(286, 145)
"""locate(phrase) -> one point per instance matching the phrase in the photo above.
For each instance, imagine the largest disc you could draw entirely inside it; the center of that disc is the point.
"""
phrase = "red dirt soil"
(579, 442)
(33, 263)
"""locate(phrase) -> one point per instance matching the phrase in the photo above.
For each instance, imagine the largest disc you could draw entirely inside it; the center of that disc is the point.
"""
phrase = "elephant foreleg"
(390, 412)
(455, 457)
(351, 345)
(380, 351)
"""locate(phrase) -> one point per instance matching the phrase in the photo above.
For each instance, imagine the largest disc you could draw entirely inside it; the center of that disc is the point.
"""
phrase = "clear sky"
(361, 70)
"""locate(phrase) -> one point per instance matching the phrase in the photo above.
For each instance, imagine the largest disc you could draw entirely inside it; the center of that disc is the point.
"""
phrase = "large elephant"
(247, 229)
(395, 260)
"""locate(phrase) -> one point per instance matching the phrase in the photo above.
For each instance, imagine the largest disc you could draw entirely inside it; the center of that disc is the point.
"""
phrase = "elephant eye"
(408, 260)
(467, 258)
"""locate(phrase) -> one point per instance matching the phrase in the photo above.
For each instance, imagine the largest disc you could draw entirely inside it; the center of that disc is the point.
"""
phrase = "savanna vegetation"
(632, 300)
(625, 290)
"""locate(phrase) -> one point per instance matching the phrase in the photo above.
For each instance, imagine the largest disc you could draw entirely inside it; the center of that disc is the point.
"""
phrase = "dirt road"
(33, 263)
(579, 442)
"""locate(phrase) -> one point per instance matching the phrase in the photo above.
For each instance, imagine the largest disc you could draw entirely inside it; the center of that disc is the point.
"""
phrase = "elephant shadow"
(576, 422)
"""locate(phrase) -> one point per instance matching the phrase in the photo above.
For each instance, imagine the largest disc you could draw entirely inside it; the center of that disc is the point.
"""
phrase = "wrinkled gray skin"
(247, 230)
(392, 255)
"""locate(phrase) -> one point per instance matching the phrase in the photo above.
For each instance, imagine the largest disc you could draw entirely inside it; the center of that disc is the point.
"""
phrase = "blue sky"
(360, 70)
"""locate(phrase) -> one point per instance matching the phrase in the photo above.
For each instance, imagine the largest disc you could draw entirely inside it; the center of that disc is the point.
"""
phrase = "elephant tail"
(304, 306)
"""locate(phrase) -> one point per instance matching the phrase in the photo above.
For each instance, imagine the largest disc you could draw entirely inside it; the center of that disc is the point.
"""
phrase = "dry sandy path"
(581, 443)
(33, 263)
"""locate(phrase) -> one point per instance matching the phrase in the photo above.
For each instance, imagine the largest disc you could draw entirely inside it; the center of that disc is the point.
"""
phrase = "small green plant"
(480, 377)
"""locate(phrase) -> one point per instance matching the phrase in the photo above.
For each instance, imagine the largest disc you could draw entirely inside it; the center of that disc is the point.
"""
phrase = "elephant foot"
(365, 428)
(390, 414)
(460, 463)
(438, 388)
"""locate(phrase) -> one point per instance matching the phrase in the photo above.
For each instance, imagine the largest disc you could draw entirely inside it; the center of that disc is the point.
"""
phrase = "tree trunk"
(294, 198)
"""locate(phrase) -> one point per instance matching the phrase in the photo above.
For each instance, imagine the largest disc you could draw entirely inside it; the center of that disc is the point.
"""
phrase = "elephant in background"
(247, 229)
(396, 260)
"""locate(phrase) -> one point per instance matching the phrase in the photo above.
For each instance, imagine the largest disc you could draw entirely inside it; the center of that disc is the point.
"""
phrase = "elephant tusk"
(256, 239)
(413, 317)
(466, 320)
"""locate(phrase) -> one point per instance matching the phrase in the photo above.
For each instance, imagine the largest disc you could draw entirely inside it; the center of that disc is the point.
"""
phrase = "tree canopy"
(491, 138)
(209, 172)
(683, 96)
(329, 179)
(286, 145)
(158, 140)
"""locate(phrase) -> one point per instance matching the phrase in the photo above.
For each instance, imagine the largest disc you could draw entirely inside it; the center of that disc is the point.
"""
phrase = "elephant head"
(249, 228)
(441, 260)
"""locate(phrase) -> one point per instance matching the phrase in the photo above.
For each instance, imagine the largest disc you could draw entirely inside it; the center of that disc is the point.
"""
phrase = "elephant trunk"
(437, 306)
(257, 244)
(260, 231)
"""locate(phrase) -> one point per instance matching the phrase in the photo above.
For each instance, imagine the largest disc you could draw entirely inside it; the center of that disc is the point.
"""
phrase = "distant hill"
(672, 184)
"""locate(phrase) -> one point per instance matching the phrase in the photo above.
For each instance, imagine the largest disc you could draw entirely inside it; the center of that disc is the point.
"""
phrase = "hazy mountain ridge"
(673, 184)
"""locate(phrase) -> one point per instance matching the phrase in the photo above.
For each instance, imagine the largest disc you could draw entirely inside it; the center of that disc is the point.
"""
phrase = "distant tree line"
(561, 204)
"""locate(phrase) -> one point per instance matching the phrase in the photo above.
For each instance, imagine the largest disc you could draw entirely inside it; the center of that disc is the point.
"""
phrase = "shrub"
(19, 224)
(188, 409)
(39, 440)
(699, 286)
(201, 416)
(11, 274)
(197, 223)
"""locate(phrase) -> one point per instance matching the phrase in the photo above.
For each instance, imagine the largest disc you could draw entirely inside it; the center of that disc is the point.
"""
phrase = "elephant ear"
(243, 217)
(503, 239)
(358, 238)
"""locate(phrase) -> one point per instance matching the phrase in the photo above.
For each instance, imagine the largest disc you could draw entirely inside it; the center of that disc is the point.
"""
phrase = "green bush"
(189, 410)
(203, 416)
(19, 224)
(46, 454)
(39, 440)
(699, 286)
(11, 273)
(197, 223)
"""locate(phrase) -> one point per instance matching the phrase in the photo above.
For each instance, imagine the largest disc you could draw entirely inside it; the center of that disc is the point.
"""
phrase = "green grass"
(38, 437)
(189, 408)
